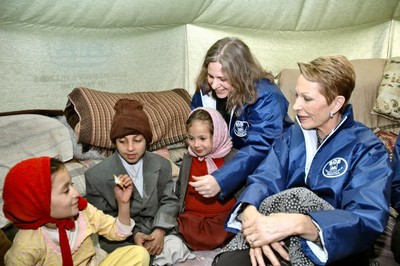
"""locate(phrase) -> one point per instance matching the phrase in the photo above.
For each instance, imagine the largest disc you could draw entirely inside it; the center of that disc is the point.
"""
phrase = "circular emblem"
(335, 168)
(241, 128)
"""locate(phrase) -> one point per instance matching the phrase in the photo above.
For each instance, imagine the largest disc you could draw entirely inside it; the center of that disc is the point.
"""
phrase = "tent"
(49, 47)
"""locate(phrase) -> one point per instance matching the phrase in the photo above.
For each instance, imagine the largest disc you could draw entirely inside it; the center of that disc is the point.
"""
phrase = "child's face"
(199, 138)
(131, 147)
(64, 198)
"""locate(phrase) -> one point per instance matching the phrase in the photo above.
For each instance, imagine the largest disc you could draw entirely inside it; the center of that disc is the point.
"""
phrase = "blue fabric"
(357, 185)
(262, 122)
(196, 101)
(396, 177)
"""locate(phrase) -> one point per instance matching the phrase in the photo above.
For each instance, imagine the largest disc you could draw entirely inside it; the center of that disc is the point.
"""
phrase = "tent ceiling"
(282, 15)
(48, 47)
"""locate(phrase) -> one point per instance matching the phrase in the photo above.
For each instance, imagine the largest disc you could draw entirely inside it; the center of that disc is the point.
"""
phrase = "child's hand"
(206, 185)
(123, 191)
(156, 245)
(141, 238)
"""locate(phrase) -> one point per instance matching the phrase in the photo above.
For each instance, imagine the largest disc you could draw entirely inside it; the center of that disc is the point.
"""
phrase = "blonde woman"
(322, 194)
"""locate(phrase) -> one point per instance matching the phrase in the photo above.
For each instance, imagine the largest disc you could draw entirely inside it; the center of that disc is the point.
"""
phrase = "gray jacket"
(159, 206)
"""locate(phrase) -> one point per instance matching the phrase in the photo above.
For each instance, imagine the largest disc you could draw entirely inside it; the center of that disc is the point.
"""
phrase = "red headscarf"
(27, 198)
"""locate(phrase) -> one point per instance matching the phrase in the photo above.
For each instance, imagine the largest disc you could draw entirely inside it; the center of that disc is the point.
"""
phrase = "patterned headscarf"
(222, 142)
(27, 199)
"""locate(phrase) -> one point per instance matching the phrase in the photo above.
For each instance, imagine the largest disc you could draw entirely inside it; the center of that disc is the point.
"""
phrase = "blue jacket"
(395, 198)
(252, 132)
(350, 170)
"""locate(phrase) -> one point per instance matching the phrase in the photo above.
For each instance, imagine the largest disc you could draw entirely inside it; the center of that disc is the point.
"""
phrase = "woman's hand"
(278, 226)
(256, 254)
(249, 217)
(250, 214)
(206, 185)
(263, 230)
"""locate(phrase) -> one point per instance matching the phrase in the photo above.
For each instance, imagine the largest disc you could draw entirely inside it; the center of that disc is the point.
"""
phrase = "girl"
(55, 223)
(201, 220)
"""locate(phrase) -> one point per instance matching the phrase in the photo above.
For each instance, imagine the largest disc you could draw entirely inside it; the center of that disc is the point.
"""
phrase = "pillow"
(388, 138)
(90, 113)
(30, 135)
(80, 152)
(388, 101)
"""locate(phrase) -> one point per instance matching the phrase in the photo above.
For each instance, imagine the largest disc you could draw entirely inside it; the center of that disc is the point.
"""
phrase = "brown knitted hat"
(130, 119)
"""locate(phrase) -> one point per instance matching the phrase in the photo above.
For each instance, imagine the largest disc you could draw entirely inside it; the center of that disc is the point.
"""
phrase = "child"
(40, 200)
(154, 204)
(201, 220)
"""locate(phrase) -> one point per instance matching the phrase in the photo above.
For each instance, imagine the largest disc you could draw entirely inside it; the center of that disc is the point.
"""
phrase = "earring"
(331, 114)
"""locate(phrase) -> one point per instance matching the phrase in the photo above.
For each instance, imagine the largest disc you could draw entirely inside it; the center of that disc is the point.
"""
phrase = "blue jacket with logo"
(350, 170)
(395, 198)
(252, 132)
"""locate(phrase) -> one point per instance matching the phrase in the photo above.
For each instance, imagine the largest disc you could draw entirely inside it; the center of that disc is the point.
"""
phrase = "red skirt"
(203, 233)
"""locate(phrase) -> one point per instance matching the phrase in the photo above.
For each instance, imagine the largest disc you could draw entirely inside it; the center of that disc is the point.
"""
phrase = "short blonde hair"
(335, 74)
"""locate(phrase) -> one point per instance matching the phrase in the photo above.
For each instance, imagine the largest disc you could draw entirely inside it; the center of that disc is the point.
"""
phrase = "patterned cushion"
(90, 113)
(388, 138)
(388, 101)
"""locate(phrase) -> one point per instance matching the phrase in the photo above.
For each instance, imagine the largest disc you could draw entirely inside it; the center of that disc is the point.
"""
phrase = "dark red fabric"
(27, 196)
(202, 223)
(196, 203)
(203, 233)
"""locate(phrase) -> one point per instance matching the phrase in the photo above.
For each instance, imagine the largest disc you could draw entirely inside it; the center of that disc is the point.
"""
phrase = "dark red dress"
(202, 223)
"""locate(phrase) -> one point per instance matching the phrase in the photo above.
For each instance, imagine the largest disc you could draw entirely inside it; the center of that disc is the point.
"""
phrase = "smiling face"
(131, 147)
(312, 108)
(200, 138)
(64, 198)
(218, 81)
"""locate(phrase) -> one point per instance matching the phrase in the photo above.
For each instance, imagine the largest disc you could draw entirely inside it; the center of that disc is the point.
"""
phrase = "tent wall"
(48, 47)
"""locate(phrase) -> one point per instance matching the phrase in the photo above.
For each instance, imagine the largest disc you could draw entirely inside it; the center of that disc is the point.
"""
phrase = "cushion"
(80, 152)
(388, 138)
(30, 135)
(90, 113)
(388, 101)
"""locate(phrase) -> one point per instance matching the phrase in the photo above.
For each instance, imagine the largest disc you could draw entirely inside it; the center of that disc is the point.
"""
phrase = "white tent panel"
(282, 49)
(48, 47)
(41, 66)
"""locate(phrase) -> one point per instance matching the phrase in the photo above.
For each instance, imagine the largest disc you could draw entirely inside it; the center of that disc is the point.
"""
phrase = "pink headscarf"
(27, 199)
(222, 142)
